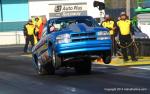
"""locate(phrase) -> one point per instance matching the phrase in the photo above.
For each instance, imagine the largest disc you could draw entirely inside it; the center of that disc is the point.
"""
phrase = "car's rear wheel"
(45, 69)
(50, 68)
(83, 67)
(40, 68)
(107, 57)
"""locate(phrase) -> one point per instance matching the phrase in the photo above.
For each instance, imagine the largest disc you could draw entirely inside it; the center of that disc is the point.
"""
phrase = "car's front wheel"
(106, 57)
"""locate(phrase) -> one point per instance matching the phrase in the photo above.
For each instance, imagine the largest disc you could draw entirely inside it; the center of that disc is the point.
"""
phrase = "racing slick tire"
(83, 67)
(50, 68)
(45, 69)
(106, 57)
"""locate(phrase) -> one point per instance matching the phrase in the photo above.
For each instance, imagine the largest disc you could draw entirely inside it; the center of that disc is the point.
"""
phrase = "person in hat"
(126, 34)
(29, 30)
(110, 24)
(37, 26)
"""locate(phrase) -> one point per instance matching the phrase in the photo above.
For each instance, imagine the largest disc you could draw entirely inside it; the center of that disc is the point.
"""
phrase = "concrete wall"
(9, 38)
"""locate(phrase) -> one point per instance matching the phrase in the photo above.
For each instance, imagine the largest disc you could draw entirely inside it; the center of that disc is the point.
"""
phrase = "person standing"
(29, 30)
(37, 23)
(126, 36)
(110, 24)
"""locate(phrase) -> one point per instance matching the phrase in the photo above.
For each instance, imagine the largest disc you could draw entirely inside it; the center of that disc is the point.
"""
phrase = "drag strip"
(17, 76)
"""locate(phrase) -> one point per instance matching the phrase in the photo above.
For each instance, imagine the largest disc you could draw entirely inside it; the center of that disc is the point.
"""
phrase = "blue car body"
(75, 41)
(80, 41)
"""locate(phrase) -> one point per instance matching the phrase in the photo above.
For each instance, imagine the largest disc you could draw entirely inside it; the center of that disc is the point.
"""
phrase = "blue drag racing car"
(71, 42)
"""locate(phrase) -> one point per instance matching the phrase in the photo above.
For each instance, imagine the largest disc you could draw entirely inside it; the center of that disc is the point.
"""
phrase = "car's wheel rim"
(39, 66)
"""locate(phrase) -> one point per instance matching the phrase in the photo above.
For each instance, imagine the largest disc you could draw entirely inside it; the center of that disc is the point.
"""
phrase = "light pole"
(128, 7)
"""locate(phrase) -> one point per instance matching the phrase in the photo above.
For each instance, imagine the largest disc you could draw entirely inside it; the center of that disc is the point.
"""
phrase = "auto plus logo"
(58, 8)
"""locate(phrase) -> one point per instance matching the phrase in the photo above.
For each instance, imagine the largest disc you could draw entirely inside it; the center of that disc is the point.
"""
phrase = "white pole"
(128, 7)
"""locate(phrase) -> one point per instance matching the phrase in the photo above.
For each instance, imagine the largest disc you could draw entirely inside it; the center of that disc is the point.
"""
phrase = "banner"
(67, 9)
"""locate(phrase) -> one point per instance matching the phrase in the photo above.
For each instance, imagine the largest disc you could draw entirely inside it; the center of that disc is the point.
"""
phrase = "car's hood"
(81, 27)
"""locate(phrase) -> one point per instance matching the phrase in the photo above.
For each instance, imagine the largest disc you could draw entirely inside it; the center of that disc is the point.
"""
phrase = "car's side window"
(51, 27)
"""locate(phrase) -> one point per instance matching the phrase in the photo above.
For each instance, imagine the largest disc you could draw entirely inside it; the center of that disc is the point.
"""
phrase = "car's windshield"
(66, 22)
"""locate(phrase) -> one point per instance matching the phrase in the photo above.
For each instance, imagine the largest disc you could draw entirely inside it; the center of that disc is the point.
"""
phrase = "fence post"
(16, 36)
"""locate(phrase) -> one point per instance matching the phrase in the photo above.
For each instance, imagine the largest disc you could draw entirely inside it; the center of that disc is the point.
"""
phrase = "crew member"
(29, 30)
(37, 26)
(110, 24)
(126, 36)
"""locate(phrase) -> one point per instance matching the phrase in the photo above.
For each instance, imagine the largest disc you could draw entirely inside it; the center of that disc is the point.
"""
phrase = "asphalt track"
(17, 76)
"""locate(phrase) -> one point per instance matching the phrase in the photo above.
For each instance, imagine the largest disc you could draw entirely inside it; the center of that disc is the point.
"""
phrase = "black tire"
(45, 69)
(50, 68)
(56, 60)
(107, 57)
(83, 67)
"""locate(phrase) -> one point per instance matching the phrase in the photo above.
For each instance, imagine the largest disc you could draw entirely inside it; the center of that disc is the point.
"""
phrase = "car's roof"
(70, 17)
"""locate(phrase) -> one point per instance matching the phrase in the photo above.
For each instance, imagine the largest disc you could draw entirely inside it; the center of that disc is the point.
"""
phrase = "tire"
(41, 69)
(45, 69)
(56, 60)
(83, 67)
(50, 68)
(107, 57)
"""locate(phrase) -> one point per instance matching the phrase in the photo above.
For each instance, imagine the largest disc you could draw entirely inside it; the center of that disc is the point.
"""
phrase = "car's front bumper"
(85, 46)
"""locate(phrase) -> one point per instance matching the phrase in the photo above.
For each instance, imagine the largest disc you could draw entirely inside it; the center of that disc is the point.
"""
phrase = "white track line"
(9, 47)
(144, 68)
